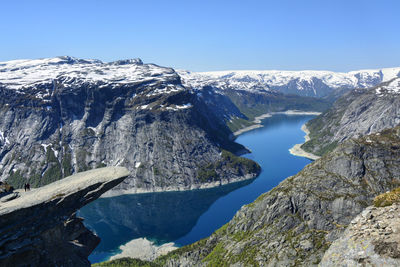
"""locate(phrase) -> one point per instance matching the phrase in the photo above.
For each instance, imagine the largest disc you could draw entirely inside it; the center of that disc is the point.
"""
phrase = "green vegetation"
(311, 145)
(66, 164)
(101, 165)
(81, 160)
(126, 262)
(216, 256)
(388, 198)
(236, 162)
(156, 171)
(161, 261)
(229, 161)
(207, 173)
(238, 123)
(5, 187)
(16, 179)
(52, 174)
(253, 105)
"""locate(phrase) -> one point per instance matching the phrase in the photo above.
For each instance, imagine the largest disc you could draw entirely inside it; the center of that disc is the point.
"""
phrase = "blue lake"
(185, 217)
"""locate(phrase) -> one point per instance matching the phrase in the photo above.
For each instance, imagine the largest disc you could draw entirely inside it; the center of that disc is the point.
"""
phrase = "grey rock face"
(40, 228)
(295, 223)
(372, 239)
(357, 113)
(124, 113)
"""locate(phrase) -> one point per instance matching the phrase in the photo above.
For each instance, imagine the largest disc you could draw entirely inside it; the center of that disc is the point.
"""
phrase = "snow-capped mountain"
(63, 115)
(305, 83)
(22, 74)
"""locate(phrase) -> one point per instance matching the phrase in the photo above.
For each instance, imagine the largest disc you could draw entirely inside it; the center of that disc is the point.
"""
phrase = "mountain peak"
(134, 61)
(20, 74)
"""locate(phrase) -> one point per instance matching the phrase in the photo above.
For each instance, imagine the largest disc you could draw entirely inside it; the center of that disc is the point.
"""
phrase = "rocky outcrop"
(64, 115)
(357, 113)
(295, 223)
(372, 239)
(40, 228)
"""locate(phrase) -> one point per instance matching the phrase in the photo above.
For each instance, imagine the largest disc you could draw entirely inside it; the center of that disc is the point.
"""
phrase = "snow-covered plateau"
(307, 82)
(19, 74)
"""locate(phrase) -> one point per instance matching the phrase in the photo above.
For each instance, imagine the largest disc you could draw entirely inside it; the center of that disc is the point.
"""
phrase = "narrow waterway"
(185, 217)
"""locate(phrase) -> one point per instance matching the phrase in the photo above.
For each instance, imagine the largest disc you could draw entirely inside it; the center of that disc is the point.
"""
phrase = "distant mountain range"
(62, 115)
(173, 131)
(305, 83)
(17, 74)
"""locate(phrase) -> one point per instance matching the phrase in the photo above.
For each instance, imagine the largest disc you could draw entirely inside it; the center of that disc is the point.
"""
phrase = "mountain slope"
(63, 115)
(293, 224)
(305, 83)
(357, 113)
(372, 239)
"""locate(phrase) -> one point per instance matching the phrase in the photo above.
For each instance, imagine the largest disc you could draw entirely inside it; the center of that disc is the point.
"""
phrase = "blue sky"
(208, 35)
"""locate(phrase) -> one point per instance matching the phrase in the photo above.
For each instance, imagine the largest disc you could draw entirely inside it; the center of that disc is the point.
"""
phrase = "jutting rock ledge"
(40, 227)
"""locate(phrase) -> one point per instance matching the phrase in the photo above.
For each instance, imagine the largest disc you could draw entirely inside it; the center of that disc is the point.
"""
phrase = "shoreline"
(121, 192)
(296, 150)
(257, 120)
(144, 249)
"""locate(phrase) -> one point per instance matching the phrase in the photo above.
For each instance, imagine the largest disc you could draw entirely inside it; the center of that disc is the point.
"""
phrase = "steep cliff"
(295, 223)
(39, 228)
(357, 113)
(64, 115)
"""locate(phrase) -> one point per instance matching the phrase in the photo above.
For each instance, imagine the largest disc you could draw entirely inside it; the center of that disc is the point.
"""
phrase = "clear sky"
(338, 35)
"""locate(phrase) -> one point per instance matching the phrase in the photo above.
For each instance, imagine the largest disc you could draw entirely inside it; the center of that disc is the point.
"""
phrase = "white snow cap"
(247, 79)
(17, 74)
(393, 87)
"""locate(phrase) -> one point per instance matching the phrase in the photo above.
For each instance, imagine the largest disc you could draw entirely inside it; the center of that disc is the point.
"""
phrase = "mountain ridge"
(358, 112)
(89, 114)
(306, 82)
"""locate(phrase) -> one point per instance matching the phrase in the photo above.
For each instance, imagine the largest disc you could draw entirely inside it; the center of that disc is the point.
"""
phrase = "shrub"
(388, 198)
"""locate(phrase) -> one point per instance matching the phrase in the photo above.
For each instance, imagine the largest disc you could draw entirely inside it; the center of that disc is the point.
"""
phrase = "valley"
(200, 149)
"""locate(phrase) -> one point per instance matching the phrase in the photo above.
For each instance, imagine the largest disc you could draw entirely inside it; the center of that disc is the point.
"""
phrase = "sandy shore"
(296, 150)
(143, 249)
(257, 120)
(298, 112)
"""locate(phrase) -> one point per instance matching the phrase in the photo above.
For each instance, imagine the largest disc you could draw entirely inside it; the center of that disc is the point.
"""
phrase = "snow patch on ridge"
(19, 74)
(391, 88)
(258, 80)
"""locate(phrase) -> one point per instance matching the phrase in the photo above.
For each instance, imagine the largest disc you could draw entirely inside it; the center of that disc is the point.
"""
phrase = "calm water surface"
(185, 217)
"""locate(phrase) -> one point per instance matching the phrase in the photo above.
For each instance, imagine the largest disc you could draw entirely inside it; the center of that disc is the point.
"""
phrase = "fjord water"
(185, 217)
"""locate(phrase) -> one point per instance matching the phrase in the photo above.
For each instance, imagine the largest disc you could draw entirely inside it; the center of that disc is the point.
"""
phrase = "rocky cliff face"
(40, 228)
(295, 223)
(64, 115)
(358, 113)
(372, 239)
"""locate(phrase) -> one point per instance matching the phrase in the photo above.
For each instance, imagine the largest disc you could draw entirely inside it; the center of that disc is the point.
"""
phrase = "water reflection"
(160, 217)
(185, 217)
